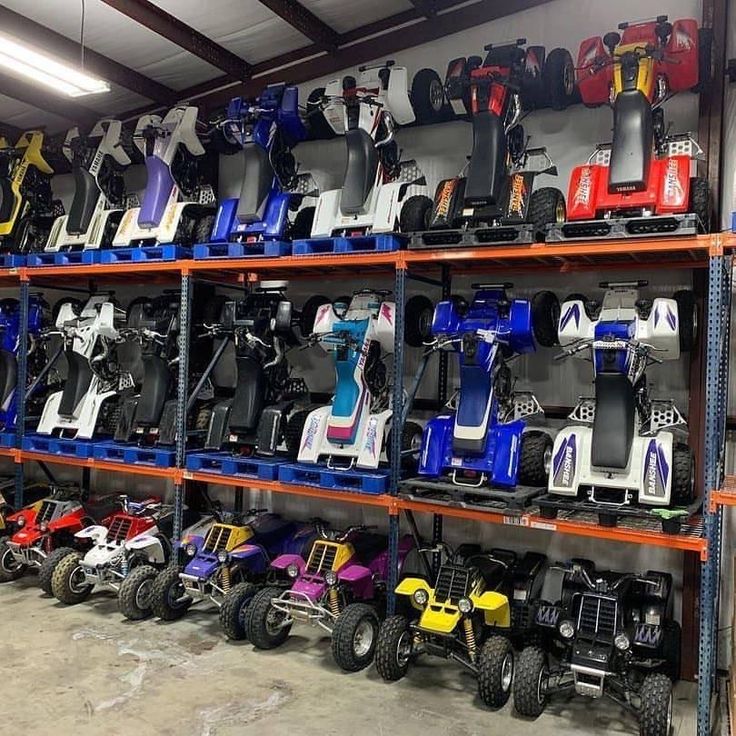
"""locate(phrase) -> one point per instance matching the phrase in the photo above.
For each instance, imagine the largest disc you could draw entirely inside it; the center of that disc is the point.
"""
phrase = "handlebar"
(335, 536)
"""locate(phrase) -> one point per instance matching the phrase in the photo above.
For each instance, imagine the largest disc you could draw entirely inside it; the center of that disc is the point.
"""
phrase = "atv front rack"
(511, 234)
(617, 228)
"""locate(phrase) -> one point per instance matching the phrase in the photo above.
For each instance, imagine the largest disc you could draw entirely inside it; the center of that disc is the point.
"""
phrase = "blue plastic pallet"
(170, 252)
(7, 439)
(56, 446)
(266, 248)
(357, 244)
(360, 481)
(65, 258)
(12, 260)
(223, 463)
(134, 455)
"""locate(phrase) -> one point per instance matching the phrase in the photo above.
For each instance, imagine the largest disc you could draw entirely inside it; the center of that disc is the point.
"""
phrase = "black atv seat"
(8, 374)
(154, 391)
(360, 171)
(368, 546)
(633, 140)
(7, 200)
(613, 426)
(505, 56)
(487, 167)
(77, 383)
(492, 571)
(98, 507)
(267, 527)
(86, 193)
(257, 179)
(249, 395)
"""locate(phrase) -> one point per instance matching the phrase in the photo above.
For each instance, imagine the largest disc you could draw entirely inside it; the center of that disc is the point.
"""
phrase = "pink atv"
(340, 588)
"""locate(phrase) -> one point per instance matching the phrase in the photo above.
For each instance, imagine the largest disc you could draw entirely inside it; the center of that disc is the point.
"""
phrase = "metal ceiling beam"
(70, 51)
(171, 28)
(425, 7)
(305, 21)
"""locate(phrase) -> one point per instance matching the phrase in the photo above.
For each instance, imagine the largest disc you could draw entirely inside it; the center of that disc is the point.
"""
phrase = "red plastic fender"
(673, 184)
(582, 195)
(681, 63)
(594, 81)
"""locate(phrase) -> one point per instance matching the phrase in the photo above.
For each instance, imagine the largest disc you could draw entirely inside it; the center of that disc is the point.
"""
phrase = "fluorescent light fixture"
(58, 76)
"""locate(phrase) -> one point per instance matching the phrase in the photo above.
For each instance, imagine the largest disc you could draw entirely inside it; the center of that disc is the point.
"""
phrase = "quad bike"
(366, 111)
(479, 603)
(492, 200)
(44, 532)
(621, 447)
(641, 183)
(483, 438)
(603, 634)
(86, 404)
(356, 425)
(225, 566)
(98, 161)
(27, 207)
(33, 493)
(266, 130)
(340, 587)
(177, 203)
(256, 418)
(10, 329)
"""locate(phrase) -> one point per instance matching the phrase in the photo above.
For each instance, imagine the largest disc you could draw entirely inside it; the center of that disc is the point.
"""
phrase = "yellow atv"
(480, 603)
(27, 208)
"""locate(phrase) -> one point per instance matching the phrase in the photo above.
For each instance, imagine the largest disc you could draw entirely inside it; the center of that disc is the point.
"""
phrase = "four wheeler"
(620, 447)
(266, 129)
(261, 328)
(87, 402)
(98, 161)
(641, 182)
(177, 203)
(479, 603)
(341, 588)
(492, 201)
(44, 532)
(355, 426)
(603, 633)
(366, 109)
(27, 207)
(483, 437)
(225, 565)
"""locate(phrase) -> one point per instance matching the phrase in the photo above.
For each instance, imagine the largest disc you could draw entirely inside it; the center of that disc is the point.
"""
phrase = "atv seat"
(154, 391)
(487, 169)
(492, 571)
(269, 527)
(86, 193)
(633, 140)
(77, 383)
(249, 395)
(613, 426)
(360, 171)
(8, 375)
(258, 177)
(368, 546)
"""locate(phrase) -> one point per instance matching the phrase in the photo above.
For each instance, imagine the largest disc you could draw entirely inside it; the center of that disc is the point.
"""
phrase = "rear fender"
(520, 319)
(582, 194)
(681, 55)
(436, 438)
(359, 578)
(495, 607)
(71, 522)
(593, 80)
(150, 545)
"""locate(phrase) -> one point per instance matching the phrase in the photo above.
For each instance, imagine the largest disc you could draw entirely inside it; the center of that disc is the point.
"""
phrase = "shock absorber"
(334, 602)
(226, 579)
(124, 567)
(470, 637)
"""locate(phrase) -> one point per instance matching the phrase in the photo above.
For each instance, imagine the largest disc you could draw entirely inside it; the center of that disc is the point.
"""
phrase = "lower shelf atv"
(670, 521)
(444, 492)
(521, 234)
(625, 227)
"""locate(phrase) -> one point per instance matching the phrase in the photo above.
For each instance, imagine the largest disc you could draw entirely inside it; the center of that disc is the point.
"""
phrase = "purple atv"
(341, 588)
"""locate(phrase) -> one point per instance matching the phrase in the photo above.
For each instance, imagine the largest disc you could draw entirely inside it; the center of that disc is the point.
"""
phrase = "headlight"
(465, 605)
(293, 570)
(567, 629)
(44, 527)
(21, 522)
(622, 642)
(331, 578)
(191, 550)
(421, 597)
(223, 557)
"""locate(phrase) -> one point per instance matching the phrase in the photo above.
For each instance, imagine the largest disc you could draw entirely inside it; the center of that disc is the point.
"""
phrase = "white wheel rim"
(507, 672)
(436, 94)
(8, 558)
(77, 580)
(363, 638)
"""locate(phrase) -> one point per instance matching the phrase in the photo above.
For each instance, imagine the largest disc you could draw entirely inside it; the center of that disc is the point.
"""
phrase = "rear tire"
(64, 586)
(687, 312)
(683, 475)
(263, 627)
(415, 214)
(411, 439)
(534, 458)
(354, 637)
(558, 78)
(167, 595)
(309, 313)
(418, 315)
(301, 228)
(655, 711)
(530, 697)
(547, 207)
(234, 610)
(495, 671)
(428, 97)
(48, 566)
(134, 596)
(700, 203)
(203, 229)
(393, 648)
(293, 432)
(546, 318)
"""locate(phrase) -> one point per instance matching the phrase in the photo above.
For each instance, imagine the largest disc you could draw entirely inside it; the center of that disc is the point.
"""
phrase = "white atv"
(98, 161)
(366, 109)
(621, 447)
(178, 205)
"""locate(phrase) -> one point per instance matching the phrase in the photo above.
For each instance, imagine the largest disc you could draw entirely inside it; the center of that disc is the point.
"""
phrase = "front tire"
(67, 580)
(293, 432)
(264, 626)
(48, 566)
(687, 313)
(546, 318)
(168, 600)
(655, 711)
(134, 596)
(9, 568)
(534, 458)
(558, 78)
(354, 637)
(428, 96)
(394, 648)
(415, 214)
(700, 203)
(234, 610)
(547, 207)
(530, 692)
(418, 315)
(495, 671)
(683, 475)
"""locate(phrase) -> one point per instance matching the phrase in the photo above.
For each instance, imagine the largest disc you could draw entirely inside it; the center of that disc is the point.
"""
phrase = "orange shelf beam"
(725, 496)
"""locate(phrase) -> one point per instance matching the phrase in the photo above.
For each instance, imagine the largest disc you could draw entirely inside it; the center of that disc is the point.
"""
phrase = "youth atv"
(353, 430)
(266, 130)
(366, 109)
(640, 184)
(27, 206)
(43, 533)
(98, 161)
(226, 566)
(479, 603)
(482, 439)
(85, 405)
(340, 587)
(178, 203)
(621, 445)
(492, 201)
(603, 634)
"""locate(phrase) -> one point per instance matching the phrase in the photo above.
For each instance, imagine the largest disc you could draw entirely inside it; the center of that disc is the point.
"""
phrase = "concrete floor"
(84, 670)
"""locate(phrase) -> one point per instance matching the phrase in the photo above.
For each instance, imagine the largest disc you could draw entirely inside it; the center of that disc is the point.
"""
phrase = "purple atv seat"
(158, 190)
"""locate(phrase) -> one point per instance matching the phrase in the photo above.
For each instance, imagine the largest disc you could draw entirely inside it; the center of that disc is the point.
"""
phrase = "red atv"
(640, 183)
(43, 533)
(492, 201)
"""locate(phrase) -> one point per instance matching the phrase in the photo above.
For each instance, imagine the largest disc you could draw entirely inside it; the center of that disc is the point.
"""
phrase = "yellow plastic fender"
(495, 607)
(408, 586)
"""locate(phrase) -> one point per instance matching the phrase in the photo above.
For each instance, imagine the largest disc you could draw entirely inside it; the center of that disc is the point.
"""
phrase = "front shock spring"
(124, 567)
(470, 638)
(226, 579)
(334, 602)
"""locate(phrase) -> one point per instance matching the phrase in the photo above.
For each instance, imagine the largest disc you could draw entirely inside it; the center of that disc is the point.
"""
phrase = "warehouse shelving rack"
(700, 539)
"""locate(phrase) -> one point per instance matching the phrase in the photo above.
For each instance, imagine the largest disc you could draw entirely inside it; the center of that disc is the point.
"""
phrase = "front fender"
(359, 578)
(252, 555)
(495, 607)
(97, 533)
(409, 586)
(283, 561)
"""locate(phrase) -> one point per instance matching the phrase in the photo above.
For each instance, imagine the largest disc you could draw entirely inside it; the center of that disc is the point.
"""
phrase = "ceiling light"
(58, 76)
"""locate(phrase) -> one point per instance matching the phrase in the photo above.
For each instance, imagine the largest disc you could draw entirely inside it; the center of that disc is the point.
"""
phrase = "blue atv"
(266, 130)
(226, 565)
(481, 439)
